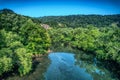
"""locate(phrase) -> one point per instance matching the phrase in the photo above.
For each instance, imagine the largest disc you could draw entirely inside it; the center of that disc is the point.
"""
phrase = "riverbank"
(41, 63)
(89, 56)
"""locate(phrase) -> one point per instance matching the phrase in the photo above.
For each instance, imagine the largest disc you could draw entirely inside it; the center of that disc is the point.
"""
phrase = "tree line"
(81, 20)
(21, 37)
(103, 43)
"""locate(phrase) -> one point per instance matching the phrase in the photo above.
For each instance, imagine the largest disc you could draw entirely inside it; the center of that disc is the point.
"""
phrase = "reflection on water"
(64, 66)
(67, 66)
(38, 73)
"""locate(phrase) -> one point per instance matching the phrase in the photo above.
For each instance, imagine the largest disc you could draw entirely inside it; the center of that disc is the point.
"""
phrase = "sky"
(38, 8)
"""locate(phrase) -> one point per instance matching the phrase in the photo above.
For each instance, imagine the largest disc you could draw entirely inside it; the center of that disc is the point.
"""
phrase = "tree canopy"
(22, 37)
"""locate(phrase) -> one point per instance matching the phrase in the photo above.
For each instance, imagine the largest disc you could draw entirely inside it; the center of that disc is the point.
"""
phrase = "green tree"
(23, 60)
(35, 38)
(5, 64)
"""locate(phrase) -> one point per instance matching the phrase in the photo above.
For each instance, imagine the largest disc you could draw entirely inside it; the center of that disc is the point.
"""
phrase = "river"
(68, 66)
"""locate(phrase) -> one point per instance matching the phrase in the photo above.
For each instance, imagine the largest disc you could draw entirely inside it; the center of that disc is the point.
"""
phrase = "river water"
(67, 66)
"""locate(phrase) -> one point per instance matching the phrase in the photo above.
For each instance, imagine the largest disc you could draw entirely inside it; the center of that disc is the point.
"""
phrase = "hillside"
(23, 38)
(20, 39)
(81, 20)
(12, 21)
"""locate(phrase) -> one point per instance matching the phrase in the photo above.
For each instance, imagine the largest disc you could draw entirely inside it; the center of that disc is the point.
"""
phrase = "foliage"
(20, 38)
(5, 64)
(35, 37)
(11, 52)
(23, 60)
(61, 36)
(102, 42)
(75, 21)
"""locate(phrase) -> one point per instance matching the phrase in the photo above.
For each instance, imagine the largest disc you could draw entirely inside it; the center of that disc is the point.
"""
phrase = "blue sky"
(37, 8)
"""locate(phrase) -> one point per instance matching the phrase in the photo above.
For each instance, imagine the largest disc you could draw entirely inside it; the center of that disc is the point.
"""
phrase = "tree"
(5, 64)
(23, 60)
(35, 38)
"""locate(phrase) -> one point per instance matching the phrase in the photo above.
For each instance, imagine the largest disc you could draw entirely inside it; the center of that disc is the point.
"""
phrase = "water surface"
(67, 66)
(64, 66)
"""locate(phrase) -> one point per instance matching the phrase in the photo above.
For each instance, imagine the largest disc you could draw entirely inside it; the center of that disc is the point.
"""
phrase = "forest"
(75, 21)
(22, 37)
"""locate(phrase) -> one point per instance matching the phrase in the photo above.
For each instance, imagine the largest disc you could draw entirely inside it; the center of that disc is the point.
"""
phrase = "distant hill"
(23, 38)
(81, 20)
(10, 20)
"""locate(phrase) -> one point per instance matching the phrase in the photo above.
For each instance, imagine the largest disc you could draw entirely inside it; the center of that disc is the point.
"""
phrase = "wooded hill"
(22, 37)
(81, 20)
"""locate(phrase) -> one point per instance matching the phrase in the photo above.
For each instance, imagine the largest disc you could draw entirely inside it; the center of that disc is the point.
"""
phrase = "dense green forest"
(22, 37)
(81, 20)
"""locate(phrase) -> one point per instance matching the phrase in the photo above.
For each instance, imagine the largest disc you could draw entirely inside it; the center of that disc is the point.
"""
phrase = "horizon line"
(62, 14)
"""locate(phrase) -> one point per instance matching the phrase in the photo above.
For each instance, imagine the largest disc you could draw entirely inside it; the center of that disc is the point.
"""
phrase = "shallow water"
(67, 66)
(64, 66)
